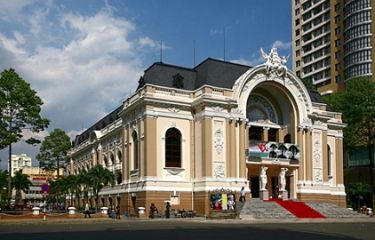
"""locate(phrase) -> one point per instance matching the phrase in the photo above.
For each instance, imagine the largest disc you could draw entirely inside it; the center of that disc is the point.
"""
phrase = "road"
(181, 230)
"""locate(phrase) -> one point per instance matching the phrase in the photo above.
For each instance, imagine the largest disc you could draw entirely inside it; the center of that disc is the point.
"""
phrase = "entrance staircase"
(331, 210)
(258, 209)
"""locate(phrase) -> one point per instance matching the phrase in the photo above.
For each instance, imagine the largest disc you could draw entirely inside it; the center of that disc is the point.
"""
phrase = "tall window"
(135, 150)
(119, 156)
(288, 138)
(329, 166)
(255, 133)
(173, 148)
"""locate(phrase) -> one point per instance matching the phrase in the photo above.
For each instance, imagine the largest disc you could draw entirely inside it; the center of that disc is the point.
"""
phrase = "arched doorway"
(272, 118)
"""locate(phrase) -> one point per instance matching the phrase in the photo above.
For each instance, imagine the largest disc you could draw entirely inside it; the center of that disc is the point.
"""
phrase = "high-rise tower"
(332, 41)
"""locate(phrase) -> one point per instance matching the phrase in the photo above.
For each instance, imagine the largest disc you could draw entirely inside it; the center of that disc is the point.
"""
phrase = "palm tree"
(3, 184)
(84, 182)
(20, 182)
(99, 177)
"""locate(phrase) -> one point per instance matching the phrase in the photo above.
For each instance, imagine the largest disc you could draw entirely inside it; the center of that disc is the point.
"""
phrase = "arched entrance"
(275, 105)
(271, 132)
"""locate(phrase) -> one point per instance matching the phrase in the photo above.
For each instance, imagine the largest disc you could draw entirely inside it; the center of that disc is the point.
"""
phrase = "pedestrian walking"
(87, 210)
(242, 195)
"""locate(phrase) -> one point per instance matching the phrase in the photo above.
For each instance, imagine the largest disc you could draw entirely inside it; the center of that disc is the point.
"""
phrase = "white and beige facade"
(191, 134)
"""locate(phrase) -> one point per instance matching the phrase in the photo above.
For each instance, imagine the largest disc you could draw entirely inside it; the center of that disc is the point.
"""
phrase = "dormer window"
(178, 81)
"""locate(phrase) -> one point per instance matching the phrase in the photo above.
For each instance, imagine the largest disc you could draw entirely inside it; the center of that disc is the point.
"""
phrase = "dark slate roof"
(315, 96)
(218, 73)
(108, 119)
(209, 72)
(162, 74)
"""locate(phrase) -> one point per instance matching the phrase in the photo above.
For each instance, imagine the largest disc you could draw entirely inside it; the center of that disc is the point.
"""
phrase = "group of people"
(231, 203)
(155, 212)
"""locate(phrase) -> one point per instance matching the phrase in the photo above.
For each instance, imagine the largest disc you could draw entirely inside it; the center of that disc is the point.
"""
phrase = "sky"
(85, 57)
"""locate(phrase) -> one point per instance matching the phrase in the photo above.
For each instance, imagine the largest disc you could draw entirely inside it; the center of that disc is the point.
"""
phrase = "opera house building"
(187, 134)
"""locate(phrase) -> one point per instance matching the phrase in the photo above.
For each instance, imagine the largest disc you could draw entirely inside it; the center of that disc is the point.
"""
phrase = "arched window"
(106, 161)
(118, 177)
(112, 159)
(119, 156)
(135, 150)
(329, 165)
(173, 148)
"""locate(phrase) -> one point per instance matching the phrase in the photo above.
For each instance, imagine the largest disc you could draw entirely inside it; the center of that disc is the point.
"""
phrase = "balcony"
(273, 153)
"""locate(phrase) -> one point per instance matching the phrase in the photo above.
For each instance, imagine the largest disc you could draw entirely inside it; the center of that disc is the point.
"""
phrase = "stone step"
(331, 210)
(258, 209)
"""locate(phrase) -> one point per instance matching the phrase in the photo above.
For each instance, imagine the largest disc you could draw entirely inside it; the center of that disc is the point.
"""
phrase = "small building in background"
(38, 191)
(20, 161)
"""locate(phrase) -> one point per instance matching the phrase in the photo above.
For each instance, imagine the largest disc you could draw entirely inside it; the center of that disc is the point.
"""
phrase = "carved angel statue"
(263, 178)
(274, 63)
(282, 179)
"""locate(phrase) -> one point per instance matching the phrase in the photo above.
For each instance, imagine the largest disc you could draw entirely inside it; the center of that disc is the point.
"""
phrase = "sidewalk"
(197, 219)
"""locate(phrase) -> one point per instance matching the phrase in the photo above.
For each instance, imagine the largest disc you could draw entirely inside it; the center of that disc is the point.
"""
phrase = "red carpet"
(299, 209)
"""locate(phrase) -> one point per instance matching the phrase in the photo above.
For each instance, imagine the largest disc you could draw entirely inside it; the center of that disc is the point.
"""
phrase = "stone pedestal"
(263, 195)
(71, 210)
(142, 213)
(36, 210)
(104, 210)
(284, 195)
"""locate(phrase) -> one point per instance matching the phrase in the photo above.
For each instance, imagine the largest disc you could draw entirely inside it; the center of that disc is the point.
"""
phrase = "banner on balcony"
(274, 150)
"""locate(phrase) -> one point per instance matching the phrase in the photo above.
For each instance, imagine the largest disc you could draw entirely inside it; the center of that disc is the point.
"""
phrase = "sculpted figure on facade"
(275, 65)
(282, 178)
(263, 178)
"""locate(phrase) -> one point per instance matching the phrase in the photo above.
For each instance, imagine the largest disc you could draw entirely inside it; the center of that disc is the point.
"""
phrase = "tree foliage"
(78, 186)
(3, 186)
(357, 104)
(357, 192)
(53, 150)
(20, 108)
(100, 177)
(20, 182)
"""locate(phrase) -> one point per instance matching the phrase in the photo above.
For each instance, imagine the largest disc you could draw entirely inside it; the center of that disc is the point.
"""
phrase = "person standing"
(167, 210)
(87, 210)
(118, 212)
(242, 195)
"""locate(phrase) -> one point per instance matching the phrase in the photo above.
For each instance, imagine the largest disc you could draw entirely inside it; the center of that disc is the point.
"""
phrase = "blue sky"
(84, 57)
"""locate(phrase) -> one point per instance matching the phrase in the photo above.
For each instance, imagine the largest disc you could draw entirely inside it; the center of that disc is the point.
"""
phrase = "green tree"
(99, 177)
(357, 192)
(20, 108)
(357, 103)
(20, 182)
(53, 151)
(3, 186)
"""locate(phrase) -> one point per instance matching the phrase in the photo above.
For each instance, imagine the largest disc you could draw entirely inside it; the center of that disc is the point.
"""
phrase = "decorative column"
(280, 135)
(94, 161)
(265, 134)
(263, 192)
(100, 154)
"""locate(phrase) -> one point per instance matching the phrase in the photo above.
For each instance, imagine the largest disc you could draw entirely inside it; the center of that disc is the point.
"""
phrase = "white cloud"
(255, 59)
(83, 77)
(214, 32)
(10, 10)
(282, 45)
